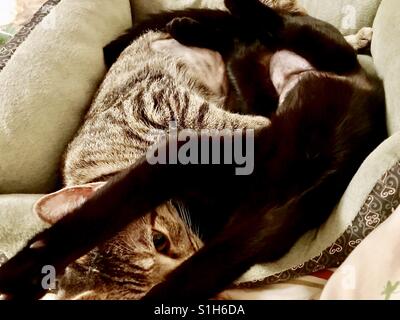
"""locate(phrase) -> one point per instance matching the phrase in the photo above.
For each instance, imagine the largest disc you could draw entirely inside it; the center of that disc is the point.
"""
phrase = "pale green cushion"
(47, 85)
(18, 222)
(386, 53)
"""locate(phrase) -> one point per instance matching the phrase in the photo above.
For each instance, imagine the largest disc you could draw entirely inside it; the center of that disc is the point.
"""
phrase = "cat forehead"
(164, 219)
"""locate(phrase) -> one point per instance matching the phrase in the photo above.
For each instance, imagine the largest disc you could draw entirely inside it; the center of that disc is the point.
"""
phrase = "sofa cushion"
(18, 223)
(386, 52)
(7, 49)
(142, 8)
(46, 86)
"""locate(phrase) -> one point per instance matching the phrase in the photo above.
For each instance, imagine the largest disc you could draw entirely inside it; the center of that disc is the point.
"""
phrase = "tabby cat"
(155, 81)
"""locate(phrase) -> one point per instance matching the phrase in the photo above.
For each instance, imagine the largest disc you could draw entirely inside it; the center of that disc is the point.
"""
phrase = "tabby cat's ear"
(53, 207)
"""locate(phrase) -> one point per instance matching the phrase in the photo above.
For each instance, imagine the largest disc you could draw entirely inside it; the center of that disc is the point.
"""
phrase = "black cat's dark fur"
(318, 137)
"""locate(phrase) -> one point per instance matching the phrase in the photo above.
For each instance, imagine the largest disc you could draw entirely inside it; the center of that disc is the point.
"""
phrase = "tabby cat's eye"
(161, 242)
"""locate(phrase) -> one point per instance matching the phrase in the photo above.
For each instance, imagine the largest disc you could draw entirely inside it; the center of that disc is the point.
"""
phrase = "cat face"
(130, 264)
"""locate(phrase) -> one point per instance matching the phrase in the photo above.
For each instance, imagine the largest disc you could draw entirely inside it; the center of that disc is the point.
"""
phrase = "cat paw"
(181, 29)
(365, 34)
(193, 33)
(361, 39)
(364, 37)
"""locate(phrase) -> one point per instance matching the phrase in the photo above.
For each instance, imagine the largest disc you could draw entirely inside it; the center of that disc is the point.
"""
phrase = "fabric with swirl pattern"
(9, 48)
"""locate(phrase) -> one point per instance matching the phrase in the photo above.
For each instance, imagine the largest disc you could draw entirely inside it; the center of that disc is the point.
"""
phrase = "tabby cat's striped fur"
(143, 91)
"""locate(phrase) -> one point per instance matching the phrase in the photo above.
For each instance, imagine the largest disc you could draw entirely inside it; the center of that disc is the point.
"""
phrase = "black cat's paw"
(21, 277)
(183, 30)
(193, 33)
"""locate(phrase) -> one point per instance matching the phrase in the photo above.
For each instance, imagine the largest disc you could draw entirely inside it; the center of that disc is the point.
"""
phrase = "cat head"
(131, 263)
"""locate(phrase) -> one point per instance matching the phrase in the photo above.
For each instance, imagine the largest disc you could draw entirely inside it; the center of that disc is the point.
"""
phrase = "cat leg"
(317, 41)
(202, 33)
(249, 75)
(126, 197)
(79, 232)
(320, 44)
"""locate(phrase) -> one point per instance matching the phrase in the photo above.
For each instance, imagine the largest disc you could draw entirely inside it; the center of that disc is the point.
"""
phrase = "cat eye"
(161, 242)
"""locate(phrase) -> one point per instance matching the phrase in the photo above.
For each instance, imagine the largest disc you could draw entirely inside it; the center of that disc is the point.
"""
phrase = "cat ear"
(53, 207)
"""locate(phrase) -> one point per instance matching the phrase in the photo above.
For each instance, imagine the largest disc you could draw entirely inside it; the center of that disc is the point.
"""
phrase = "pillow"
(46, 86)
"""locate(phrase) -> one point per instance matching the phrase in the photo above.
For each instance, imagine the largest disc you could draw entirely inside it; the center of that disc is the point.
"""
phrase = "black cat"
(326, 114)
